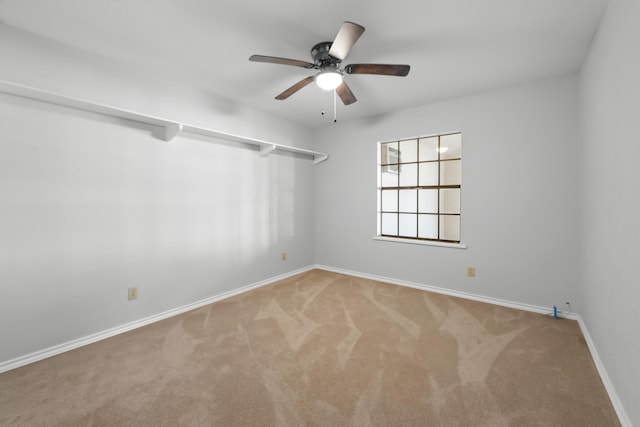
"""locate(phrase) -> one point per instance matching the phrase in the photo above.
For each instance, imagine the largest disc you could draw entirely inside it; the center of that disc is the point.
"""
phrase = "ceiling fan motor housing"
(321, 57)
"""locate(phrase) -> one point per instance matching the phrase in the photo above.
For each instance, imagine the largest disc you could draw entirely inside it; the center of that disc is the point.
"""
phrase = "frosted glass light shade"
(329, 80)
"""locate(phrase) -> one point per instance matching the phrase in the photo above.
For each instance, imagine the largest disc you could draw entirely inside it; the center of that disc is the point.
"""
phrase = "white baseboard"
(608, 385)
(71, 345)
(99, 336)
(613, 396)
(465, 295)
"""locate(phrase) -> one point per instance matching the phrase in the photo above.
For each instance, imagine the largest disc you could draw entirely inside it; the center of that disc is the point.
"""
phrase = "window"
(419, 188)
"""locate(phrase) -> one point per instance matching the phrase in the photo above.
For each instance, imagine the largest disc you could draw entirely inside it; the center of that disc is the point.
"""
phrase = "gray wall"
(519, 195)
(610, 107)
(93, 205)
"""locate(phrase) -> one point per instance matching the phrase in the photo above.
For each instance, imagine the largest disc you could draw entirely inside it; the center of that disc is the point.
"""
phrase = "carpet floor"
(322, 349)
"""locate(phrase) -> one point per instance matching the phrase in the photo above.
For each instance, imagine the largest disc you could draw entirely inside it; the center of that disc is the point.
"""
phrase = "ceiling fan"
(327, 58)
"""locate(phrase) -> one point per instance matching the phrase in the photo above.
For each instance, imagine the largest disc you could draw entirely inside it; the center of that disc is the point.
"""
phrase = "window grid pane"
(408, 200)
(408, 151)
(407, 225)
(389, 176)
(390, 224)
(409, 175)
(389, 200)
(428, 226)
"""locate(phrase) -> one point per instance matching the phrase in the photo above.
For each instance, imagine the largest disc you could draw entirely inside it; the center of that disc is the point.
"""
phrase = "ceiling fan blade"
(348, 35)
(381, 69)
(296, 87)
(345, 94)
(277, 60)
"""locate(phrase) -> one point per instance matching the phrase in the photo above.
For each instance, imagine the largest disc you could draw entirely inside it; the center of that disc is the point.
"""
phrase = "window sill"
(420, 242)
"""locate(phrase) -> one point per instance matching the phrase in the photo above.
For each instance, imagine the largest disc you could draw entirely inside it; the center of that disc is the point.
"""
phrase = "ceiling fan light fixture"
(327, 58)
(329, 80)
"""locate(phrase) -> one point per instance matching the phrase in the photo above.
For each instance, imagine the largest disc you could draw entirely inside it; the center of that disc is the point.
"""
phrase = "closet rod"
(171, 127)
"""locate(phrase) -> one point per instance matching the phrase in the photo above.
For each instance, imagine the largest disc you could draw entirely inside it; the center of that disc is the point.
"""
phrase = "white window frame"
(414, 240)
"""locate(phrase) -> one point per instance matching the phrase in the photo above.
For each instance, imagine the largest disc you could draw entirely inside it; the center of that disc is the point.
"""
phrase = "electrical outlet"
(133, 293)
(283, 256)
(471, 271)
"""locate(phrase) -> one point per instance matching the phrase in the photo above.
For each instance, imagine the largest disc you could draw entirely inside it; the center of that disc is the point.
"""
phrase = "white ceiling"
(454, 47)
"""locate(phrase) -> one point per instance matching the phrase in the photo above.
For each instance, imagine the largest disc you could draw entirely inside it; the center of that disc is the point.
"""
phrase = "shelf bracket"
(319, 158)
(266, 149)
(171, 130)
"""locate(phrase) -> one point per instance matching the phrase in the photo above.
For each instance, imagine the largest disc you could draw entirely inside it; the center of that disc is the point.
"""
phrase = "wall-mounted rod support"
(266, 149)
(171, 130)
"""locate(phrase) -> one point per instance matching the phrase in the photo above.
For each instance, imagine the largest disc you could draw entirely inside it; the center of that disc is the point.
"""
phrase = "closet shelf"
(171, 128)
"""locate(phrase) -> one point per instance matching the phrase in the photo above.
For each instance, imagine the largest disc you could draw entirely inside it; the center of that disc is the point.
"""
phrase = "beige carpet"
(322, 349)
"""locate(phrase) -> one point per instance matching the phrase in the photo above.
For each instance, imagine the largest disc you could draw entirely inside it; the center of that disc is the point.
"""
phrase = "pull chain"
(335, 107)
